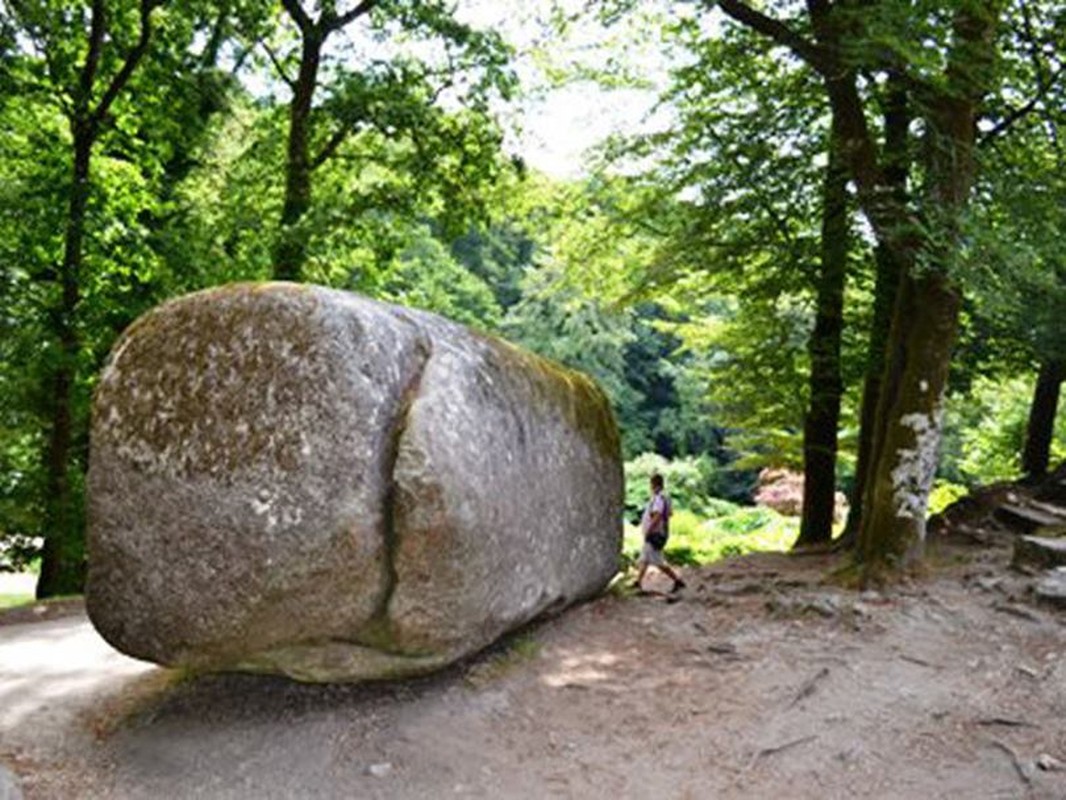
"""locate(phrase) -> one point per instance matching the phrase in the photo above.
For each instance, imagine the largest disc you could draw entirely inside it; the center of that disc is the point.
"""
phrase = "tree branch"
(97, 27)
(279, 68)
(336, 23)
(299, 16)
(1044, 83)
(1022, 111)
(331, 145)
(776, 30)
(238, 62)
(133, 58)
(209, 57)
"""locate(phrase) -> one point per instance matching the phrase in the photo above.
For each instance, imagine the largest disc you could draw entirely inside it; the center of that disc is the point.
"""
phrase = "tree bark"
(905, 449)
(926, 318)
(1041, 428)
(826, 385)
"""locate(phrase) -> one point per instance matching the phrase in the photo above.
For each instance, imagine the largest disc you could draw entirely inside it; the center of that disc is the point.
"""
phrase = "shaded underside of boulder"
(298, 480)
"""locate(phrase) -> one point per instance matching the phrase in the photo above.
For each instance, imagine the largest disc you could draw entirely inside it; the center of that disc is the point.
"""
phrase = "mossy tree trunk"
(1042, 412)
(826, 384)
(905, 452)
(886, 287)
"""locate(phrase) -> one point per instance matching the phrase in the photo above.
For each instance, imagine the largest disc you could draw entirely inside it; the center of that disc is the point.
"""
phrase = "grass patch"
(731, 531)
(15, 600)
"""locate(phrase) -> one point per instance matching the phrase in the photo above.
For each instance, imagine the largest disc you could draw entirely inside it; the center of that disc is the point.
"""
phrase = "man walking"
(655, 523)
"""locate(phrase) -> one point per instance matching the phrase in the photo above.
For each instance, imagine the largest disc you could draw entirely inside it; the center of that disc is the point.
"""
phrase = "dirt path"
(760, 683)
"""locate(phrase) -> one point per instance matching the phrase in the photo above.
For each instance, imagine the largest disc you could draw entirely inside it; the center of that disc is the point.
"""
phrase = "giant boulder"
(297, 480)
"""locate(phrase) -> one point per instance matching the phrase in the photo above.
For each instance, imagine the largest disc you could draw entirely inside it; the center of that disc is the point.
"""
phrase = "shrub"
(690, 482)
(984, 432)
(782, 490)
(695, 542)
(703, 528)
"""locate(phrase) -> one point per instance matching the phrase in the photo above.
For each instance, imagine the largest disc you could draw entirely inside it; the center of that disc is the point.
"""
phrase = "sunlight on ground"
(48, 664)
(16, 588)
(582, 669)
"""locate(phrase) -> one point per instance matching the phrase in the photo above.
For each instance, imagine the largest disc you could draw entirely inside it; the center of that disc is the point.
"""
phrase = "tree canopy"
(837, 245)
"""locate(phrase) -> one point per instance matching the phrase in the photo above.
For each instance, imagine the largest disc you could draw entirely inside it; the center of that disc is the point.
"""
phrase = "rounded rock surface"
(299, 480)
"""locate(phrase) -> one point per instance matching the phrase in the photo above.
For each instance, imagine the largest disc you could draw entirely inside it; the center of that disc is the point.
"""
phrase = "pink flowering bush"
(782, 490)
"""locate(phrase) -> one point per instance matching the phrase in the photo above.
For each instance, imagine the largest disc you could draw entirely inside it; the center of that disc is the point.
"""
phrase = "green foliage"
(732, 189)
(985, 432)
(730, 533)
(692, 483)
(680, 277)
(944, 494)
(561, 324)
(498, 255)
(425, 275)
(572, 308)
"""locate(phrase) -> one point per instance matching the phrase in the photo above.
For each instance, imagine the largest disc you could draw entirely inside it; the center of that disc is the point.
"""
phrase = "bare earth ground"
(761, 683)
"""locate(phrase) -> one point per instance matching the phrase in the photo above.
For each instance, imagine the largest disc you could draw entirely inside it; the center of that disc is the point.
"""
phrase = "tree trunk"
(886, 287)
(926, 317)
(1042, 412)
(904, 461)
(826, 385)
(290, 251)
(63, 557)
(62, 561)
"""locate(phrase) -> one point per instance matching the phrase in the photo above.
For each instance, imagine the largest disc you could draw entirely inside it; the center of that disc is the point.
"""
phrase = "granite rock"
(297, 480)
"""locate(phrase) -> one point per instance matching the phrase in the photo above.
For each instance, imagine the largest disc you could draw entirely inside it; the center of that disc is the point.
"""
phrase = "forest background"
(774, 265)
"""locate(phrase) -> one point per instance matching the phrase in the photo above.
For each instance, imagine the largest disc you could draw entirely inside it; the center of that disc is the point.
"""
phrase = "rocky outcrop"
(297, 480)
(1051, 588)
(1039, 551)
